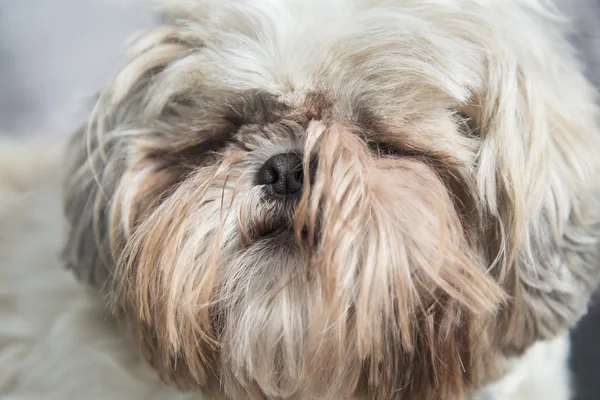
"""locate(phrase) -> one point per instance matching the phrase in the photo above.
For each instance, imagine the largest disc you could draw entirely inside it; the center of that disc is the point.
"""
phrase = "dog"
(363, 199)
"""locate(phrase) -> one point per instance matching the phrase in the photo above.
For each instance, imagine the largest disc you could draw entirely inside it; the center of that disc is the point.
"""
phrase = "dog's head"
(290, 199)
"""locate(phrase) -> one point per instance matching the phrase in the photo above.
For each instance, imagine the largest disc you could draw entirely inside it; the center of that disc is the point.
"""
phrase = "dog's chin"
(276, 230)
(285, 239)
(277, 240)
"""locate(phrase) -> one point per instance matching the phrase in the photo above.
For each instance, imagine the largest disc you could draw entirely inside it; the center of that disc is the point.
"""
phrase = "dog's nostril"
(283, 174)
(267, 176)
(299, 175)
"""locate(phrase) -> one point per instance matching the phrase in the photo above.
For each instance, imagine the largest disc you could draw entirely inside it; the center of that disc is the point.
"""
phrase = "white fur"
(542, 374)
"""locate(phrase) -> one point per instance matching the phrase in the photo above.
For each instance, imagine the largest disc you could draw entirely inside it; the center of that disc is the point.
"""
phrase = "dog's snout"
(282, 175)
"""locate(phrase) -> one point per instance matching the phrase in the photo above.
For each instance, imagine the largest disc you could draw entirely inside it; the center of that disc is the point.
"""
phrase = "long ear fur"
(99, 155)
(538, 169)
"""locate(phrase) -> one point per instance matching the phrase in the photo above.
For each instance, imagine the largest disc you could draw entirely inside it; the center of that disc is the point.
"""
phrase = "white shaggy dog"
(291, 199)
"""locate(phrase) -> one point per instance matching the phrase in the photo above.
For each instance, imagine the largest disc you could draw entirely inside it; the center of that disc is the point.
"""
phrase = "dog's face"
(381, 199)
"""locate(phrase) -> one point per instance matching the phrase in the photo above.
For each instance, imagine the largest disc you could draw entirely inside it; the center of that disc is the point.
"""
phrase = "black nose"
(282, 175)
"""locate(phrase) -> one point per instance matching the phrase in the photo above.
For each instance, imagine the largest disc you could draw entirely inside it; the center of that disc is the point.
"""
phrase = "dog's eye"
(192, 155)
(210, 146)
(381, 149)
(388, 150)
(465, 124)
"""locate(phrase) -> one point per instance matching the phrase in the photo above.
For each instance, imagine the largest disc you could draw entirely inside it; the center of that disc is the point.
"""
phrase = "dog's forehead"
(257, 107)
(383, 52)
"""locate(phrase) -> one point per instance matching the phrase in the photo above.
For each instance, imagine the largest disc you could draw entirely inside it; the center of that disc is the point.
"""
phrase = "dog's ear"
(536, 175)
(99, 157)
(88, 184)
(119, 167)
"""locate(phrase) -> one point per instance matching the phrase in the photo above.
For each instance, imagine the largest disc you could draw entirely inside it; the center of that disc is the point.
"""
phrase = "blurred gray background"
(55, 54)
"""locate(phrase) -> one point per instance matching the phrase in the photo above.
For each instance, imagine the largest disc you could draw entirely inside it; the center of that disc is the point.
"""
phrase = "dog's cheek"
(104, 203)
(170, 270)
(401, 275)
(438, 287)
(139, 192)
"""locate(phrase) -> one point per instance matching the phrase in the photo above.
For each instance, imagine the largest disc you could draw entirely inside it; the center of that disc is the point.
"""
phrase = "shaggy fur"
(56, 343)
(450, 214)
